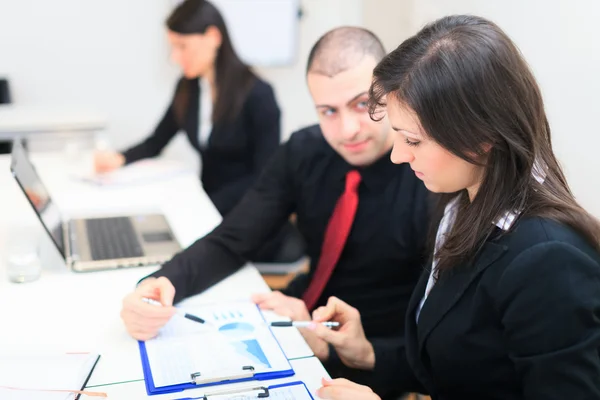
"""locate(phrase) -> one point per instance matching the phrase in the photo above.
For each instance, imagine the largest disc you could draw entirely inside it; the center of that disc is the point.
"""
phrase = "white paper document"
(236, 336)
(144, 171)
(44, 376)
(292, 392)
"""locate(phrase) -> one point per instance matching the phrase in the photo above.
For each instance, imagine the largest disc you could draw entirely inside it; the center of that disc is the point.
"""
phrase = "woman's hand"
(106, 161)
(343, 389)
(349, 339)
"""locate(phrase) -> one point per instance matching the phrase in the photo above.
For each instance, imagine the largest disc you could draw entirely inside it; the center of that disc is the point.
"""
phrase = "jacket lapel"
(412, 352)
(448, 290)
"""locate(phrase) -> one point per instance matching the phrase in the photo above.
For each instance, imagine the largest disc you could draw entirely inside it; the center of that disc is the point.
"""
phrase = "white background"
(112, 56)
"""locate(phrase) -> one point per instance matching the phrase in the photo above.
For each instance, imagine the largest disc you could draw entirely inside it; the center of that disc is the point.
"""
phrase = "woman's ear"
(214, 35)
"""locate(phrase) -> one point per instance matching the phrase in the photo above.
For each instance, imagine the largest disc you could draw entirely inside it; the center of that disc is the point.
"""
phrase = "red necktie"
(334, 240)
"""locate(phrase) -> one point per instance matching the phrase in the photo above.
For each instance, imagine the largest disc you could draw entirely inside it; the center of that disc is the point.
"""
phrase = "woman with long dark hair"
(230, 116)
(509, 304)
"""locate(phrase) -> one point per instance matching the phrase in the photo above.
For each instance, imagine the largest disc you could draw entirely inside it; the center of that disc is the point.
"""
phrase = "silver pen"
(304, 324)
(181, 312)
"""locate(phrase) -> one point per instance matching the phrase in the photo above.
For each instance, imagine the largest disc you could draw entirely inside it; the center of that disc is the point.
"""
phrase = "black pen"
(191, 317)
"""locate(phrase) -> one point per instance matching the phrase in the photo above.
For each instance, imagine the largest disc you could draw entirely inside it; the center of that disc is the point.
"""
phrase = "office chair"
(5, 147)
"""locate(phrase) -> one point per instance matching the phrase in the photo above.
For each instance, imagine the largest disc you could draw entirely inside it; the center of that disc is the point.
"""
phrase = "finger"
(330, 310)
(260, 297)
(283, 311)
(145, 326)
(274, 300)
(321, 314)
(336, 338)
(269, 304)
(139, 332)
(160, 289)
(147, 287)
(337, 310)
(135, 305)
(142, 336)
(344, 392)
(150, 311)
(347, 383)
(166, 289)
(132, 320)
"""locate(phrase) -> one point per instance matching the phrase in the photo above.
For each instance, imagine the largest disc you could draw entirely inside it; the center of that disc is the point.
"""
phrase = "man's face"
(341, 103)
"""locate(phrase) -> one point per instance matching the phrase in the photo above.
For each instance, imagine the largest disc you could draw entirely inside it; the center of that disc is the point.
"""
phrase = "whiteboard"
(264, 32)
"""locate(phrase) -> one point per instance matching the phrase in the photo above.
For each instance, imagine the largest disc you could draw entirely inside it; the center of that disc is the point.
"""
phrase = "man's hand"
(143, 320)
(349, 339)
(296, 310)
(343, 389)
(279, 303)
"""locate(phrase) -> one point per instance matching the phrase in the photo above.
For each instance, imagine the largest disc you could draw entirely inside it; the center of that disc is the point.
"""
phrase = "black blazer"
(523, 322)
(236, 151)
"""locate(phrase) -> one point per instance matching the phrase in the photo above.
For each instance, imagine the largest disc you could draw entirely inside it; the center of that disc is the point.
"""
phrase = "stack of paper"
(44, 376)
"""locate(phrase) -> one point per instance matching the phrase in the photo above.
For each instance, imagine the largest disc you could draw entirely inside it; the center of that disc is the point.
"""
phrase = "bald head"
(343, 48)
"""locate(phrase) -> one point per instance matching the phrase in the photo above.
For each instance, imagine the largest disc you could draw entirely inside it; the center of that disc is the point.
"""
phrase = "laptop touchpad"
(153, 237)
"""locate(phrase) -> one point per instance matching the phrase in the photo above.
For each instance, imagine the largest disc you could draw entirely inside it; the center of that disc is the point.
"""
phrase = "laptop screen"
(29, 181)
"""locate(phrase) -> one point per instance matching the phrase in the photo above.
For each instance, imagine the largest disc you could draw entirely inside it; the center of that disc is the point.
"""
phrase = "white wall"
(319, 16)
(112, 56)
(559, 39)
(390, 20)
(109, 56)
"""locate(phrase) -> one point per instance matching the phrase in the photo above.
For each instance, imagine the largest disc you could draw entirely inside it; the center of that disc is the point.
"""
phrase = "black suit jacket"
(236, 152)
(523, 322)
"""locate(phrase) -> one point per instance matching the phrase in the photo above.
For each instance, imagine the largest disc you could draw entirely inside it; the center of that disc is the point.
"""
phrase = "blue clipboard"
(245, 373)
(265, 392)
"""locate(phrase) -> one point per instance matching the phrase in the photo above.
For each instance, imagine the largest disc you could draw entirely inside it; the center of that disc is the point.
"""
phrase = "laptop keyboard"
(112, 238)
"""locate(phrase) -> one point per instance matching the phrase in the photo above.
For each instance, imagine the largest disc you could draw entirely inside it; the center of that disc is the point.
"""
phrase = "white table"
(69, 311)
(18, 120)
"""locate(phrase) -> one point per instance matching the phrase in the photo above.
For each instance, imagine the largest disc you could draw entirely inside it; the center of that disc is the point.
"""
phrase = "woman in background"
(509, 306)
(230, 116)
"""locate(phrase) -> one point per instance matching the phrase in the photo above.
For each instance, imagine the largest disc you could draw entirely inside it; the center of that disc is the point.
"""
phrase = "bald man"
(364, 219)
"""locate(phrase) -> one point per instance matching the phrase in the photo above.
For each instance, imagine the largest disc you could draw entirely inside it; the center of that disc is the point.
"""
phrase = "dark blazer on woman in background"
(522, 322)
(236, 151)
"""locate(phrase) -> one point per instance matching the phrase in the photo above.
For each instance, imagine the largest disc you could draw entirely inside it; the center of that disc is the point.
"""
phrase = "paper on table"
(290, 339)
(294, 392)
(143, 171)
(34, 376)
(238, 336)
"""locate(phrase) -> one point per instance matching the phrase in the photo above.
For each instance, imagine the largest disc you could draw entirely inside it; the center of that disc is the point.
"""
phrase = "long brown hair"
(233, 77)
(471, 88)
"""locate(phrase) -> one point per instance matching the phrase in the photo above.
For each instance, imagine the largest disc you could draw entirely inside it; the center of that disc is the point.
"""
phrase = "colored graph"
(242, 337)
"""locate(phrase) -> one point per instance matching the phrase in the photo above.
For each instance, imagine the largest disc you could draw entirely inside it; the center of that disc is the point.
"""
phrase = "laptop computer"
(98, 243)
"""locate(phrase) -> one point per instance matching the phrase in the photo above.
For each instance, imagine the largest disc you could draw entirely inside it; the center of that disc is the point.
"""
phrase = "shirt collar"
(507, 219)
(504, 222)
(373, 176)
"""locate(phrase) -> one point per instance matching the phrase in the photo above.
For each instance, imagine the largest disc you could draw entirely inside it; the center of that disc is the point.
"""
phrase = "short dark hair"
(342, 48)
(471, 89)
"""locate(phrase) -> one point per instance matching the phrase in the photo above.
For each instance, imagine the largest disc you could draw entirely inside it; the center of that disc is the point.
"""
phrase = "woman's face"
(195, 53)
(440, 170)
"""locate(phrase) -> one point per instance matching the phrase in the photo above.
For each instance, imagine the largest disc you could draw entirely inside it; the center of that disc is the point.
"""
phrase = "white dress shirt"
(205, 110)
